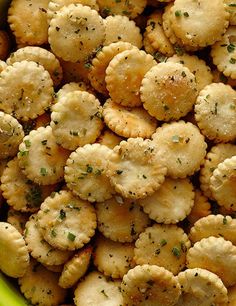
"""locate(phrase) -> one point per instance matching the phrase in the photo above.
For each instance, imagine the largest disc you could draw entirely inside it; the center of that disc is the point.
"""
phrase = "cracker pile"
(117, 152)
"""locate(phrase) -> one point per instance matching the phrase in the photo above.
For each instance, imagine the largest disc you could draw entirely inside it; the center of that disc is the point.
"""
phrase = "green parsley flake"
(176, 252)
(43, 171)
(71, 237)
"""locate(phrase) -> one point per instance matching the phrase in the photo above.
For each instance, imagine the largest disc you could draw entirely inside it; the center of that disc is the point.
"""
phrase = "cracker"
(222, 183)
(126, 70)
(3, 163)
(134, 169)
(147, 44)
(20, 192)
(76, 119)
(98, 290)
(41, 159)
(200, 209)
(197, 66)
(214, 157)
(18, 219)
(162, 245)
(150, 285)
(28, 21)
(40, 286)
(26, 90)
(215, 112)
(168, 91)
(39, 248)
(100, 63)
(171, 203)
(121, 28)
(214, 225)
(131, 8)
(5, 44)
(75, 72)
(112, 258)
(129, 216)
(223, 53)
(128, 122)
(3, 65)
(216, 255)
(71, 87)
(55, 5)
(72, 34)
(189, 19)
(177, 143)
(230, 7)
(41, 56)
(14, 256)
(75, 268)
(85, 173)
(11, 135)
(156, 35)
(66, 221)
(201, 287)
(109, 139)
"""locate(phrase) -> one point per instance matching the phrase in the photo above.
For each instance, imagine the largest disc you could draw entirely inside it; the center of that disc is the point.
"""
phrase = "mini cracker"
(128, 122)
(28, 21)
(156, 35)
(41, 56)
(41, 159)
(71, 87)
(134, 169)
(215, 112)
(85, 173)
(75, 268)
(121, 28)
(168, 91)
(130, 8)
(189, 19)
(72, 34)
(96, 289)
(214, 225)
(66, 221)
(55, 5)
(222, 183)
(197, 66)
(40, 286)
(201, 287)
(26, 90)
(224, 53)
(171, 203)
(39, 248)
(214, 157)
(11, 135)
(162, 245)
(17, 219)
(126, 70)
(109, 139)
(129, 216)
(216, 255)
(100, 63)
(177, 143)
(112, 258)
(76, 119)
(14, 256)
(20, 192)
(75, 72)
(150, 285)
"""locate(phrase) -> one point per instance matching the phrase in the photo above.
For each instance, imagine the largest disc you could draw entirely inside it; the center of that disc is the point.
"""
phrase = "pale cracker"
(134, 168)
(128, 122)
(14, 256)
(231, 8)
(129, 216)
(72, 34)
(26, 90)
(66, 221)
(126, 70)
(171, 203)
(85, 173)
(162, 245)
(150, 285)
(41, 159)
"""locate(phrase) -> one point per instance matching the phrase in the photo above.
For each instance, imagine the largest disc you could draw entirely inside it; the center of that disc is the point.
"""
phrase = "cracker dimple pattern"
(72, 34)
(126, 70)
